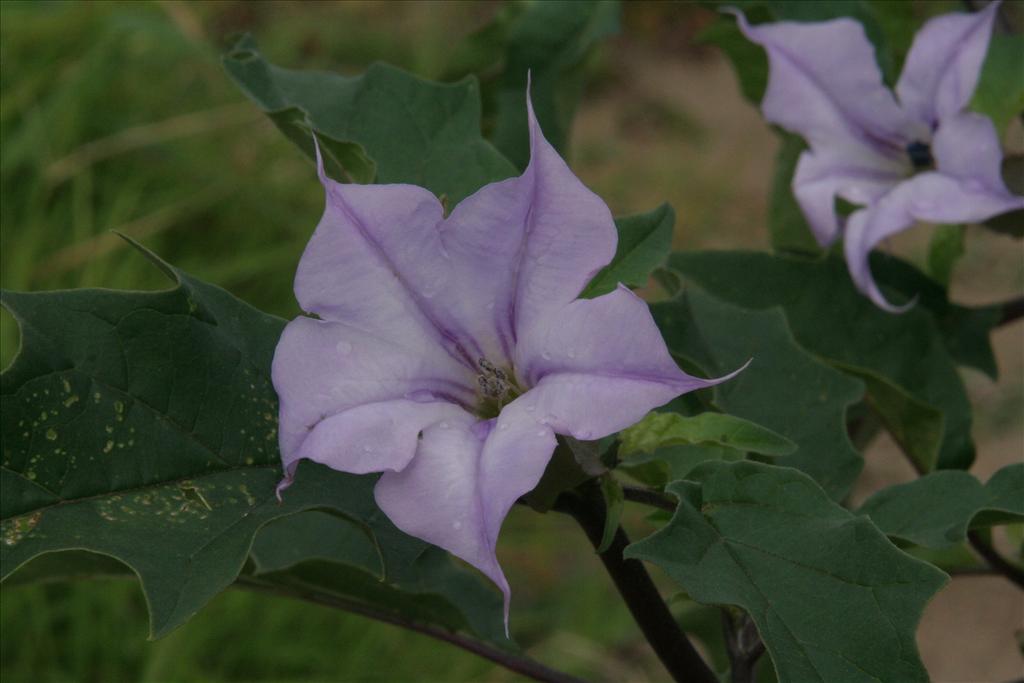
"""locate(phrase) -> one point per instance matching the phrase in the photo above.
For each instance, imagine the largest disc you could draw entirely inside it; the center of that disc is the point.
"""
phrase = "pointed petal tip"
(320, 170)
(726, 378)
(883, 303)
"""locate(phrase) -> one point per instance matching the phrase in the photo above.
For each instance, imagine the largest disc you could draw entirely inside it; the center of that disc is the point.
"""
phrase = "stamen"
(920, 155)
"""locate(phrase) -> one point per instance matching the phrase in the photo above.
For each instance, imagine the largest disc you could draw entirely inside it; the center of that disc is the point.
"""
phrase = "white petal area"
(322, 369)
(825, 85)
(598, 366)
(376, 262)
(523, 247)
(439, 499)
(821, 177)
(930, 197)
(942, 68)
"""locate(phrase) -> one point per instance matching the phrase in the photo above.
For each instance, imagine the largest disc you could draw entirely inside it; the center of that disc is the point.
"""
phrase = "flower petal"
(943, 65)
(328, 374)
(376, 260)
(821, 177)
(825, 85)
(966, 146)
(598, 366)
(524, 246)
(932, 197)
(439, 499)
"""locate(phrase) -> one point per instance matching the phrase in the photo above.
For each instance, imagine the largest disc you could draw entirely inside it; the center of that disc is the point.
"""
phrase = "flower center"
(497, 387)
(920, 155)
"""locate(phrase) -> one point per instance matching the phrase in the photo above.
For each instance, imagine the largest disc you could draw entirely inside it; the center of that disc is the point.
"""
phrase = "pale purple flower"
(449, 352)
(915, 155)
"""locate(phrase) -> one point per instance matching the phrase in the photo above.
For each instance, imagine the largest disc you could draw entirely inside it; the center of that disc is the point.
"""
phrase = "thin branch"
(1012, 310)
(655, 499)
(651, 613)
(511, 661)
(998, 563)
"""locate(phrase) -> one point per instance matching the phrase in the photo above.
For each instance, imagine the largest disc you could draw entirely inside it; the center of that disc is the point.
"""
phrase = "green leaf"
(572, 463)
(769, 540)
(748, 59)
(905, 359)
(644, 243)
(936, 510)
(965, 331)
(784, 388)
(1011, 223)
(327, 553)
(134, 416)
(549, 40)
(1000, 91)
(670, 463)
(384, 125)
(944, 250)
(68, 565)
(657, 430)
(614, 504)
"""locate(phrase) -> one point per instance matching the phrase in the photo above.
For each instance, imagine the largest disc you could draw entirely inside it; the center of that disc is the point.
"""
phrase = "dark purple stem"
(630, 577)
(1012, 310)
(509, 660)
(998, 563)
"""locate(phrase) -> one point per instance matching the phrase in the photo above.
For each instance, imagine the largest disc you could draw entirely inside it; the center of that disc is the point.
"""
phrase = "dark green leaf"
(384, 125)
(748, 59)
(1011, 223)
(321, 551)
(671, 429)
(549, 40)
(644, 243)
(572, 463)
(69, 565)
(904, 358)
(936, 510)
(784, 389)
(142, 426)
(670, 463)
(769, 540)
(965, 331)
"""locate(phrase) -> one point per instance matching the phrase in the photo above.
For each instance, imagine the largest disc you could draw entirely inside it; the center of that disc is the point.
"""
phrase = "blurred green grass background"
(119, 116)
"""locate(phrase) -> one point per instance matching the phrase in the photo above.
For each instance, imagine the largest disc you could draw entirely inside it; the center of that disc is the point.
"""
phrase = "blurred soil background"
(119, 116)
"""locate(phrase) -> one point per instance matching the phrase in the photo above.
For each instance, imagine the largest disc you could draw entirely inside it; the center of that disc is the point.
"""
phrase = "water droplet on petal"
(546, 355)
(456, 525)
(529, 408)
(572, 353)
(444, 425)
(490, 305)
(542, 432)
(503, 426)
(343, 348)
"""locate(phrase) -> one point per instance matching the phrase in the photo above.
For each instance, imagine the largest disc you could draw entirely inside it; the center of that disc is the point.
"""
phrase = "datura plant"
(477, 334)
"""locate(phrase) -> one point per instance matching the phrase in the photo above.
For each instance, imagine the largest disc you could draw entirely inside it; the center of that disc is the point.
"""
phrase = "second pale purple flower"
(912, 155)
(448, 352)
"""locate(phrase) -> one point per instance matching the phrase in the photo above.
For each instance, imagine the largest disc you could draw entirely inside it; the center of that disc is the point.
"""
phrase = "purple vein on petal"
(450, 341)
